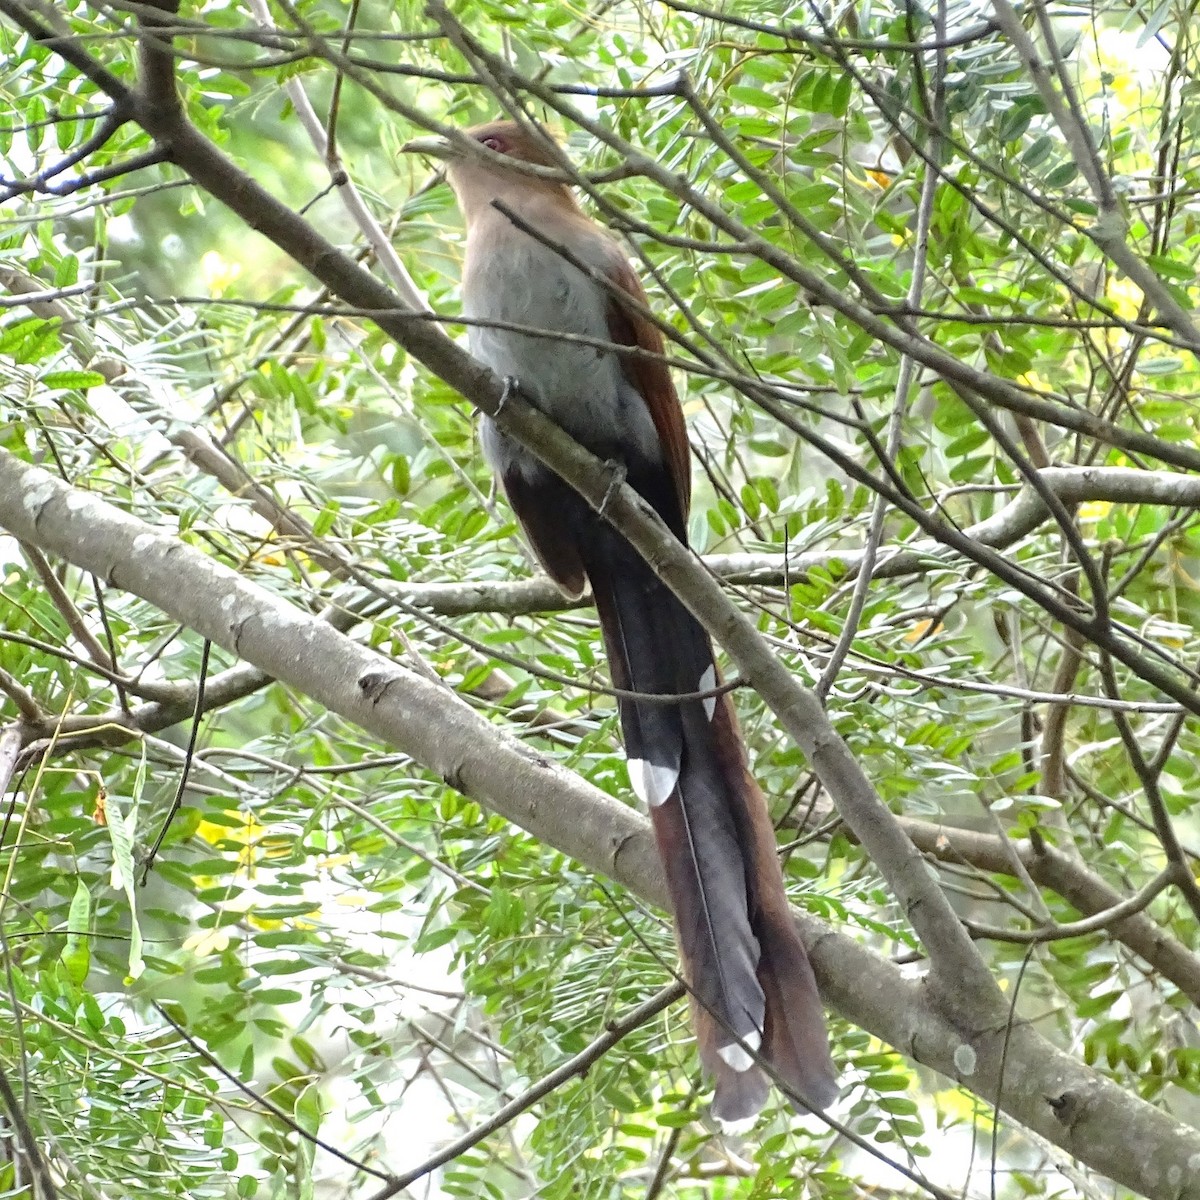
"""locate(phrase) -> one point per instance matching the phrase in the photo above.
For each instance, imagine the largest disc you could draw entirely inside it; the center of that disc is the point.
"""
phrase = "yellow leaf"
(920, 629)
(218, 272)
(207, 942)
(1094, 510)
(1124, 296)
(248, 829)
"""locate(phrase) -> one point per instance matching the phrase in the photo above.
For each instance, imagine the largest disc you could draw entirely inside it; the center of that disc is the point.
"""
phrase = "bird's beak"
(430, 147)
(436, 148)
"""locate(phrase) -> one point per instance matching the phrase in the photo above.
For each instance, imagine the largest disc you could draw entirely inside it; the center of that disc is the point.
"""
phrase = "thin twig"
(362, 216)
(66, 606)
(904, 381)
(1101, 920)
(45, 1183)
(1110, 231)
(259, 1099)
(1053, 749)
(663, 1170)
(577, 1065)
(996, 1109)
(181, 788)
(1148, 777)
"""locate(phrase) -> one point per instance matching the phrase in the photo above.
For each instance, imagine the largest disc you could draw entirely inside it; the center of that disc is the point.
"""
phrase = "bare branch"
(25, 701)
(1110, 231)
(1104, 919)
(45, 1189)
(10, 747)
(378, 240)
(462, 747)
(1164, 827)
(577, 1065)
(1070, 878)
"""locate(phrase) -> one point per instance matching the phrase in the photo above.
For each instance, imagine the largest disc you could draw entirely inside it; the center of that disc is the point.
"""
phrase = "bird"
(534, 259)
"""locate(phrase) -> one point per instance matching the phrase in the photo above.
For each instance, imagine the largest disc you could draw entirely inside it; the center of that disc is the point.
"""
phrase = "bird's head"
(483, 175)
(506, 138)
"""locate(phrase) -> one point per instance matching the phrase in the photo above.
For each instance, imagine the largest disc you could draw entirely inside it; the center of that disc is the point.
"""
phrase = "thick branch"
(1016, 520)
(1043, 1088)
(1062, 873)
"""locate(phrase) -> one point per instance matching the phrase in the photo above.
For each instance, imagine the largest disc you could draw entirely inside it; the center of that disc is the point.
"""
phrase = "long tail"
(752, 985)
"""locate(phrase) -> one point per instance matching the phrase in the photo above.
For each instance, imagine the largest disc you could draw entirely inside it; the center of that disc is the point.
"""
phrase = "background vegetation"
(279, 923)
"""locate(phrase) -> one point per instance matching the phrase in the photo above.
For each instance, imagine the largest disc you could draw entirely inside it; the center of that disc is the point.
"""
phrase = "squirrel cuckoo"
(753, 994)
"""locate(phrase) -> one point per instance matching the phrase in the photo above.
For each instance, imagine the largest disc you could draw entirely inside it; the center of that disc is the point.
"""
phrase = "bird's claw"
(512, 385)
(616, 477)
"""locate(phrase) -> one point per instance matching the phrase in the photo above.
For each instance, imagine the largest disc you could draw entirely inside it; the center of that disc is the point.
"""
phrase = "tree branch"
(1057, 1097)
(1060, 872)
(1109, 232)
(576, 1065)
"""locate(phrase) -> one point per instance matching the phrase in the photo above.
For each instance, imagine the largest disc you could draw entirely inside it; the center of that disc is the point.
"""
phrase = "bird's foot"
(616, 477)
(512, 385)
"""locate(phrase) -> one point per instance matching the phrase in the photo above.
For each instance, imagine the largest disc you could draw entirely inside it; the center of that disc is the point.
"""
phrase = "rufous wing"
(652, 378)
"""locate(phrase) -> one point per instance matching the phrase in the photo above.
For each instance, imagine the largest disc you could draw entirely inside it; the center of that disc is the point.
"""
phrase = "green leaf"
(277, 996)
(67, 272)
(122, 830)
(401, 475)
(325, 519)
(76, 955)
(751, 96)
(1063, 174)
(842, 92)
(76, 380)
(1169, 268)
(1038, 151)
(1166, 364)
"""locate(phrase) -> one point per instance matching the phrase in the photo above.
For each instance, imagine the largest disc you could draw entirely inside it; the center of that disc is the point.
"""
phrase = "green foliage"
(332, 942)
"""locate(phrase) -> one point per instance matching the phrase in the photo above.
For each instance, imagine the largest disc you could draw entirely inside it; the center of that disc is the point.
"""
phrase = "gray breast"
(581, 386)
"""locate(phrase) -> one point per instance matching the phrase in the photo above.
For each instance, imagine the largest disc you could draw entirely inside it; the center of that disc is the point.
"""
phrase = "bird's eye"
(493, 143)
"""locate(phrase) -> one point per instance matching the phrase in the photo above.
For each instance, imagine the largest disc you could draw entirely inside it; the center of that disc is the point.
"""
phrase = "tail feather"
(795, 1043)
(737, 1095)
(794, 1040)
(650, 650)
(718, 946)
(751, 982)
